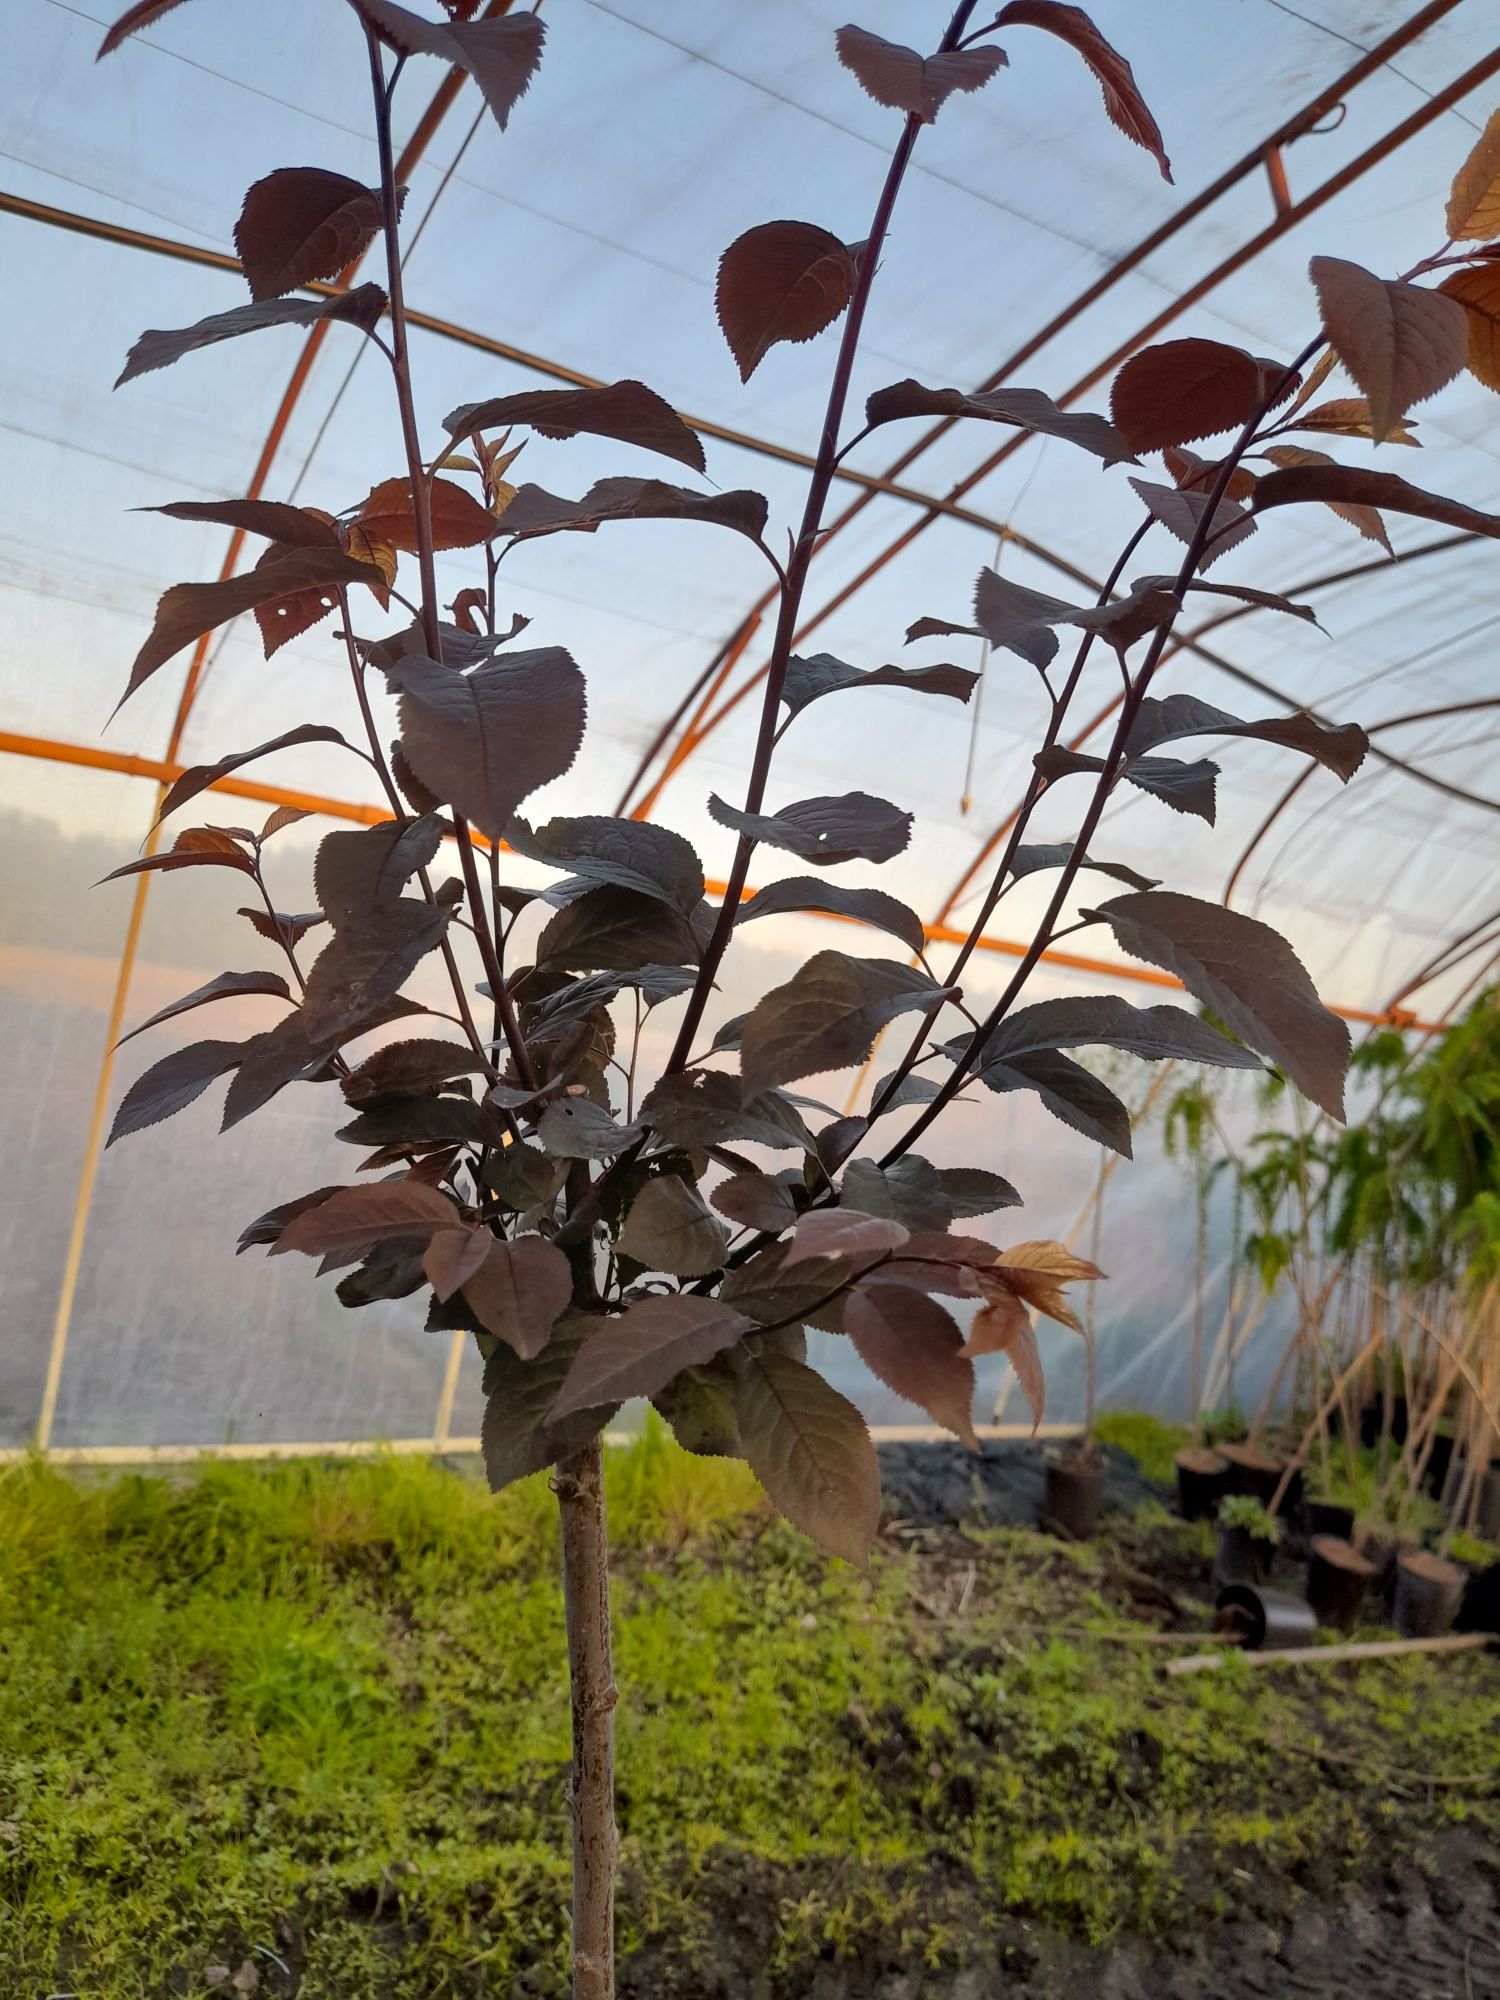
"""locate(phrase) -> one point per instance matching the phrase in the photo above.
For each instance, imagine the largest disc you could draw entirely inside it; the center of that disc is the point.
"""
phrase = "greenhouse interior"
(805, 1300)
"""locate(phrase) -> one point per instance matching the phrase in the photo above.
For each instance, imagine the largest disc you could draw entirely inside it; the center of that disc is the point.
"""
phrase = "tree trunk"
(579, 1486)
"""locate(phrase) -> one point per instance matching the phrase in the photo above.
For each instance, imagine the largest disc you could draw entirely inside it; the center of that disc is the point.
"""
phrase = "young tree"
(599, 1249)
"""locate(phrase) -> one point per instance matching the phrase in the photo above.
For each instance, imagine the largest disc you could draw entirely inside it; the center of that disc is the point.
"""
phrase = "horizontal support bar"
(96, 757)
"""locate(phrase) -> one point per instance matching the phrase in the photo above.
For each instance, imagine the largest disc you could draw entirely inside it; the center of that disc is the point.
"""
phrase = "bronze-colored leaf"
(1182, 390)
(669, 1228)
(500, 52)
(852, 827)
(534, 511)
(200, 777)
(1349, 416)
(811, 1451)
(172, 1084)
(625, 410)
(827, 1015)
(1248, 975)
(188, 610)
(1122, 98)
(639, 1353)
(914, 1346)
(1400, 342)
(484, 741)
(781, 281)
(904, 81)
(459, 521)
(1027, 409)
(1473, 213)
(519, 1291)
(1477, 290)
(301, 223)
(355, 1218)
(228, 986)
(159, 347)
(862, 906)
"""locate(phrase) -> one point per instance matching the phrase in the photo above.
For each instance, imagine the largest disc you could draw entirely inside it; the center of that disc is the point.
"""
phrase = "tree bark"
(579, 1485)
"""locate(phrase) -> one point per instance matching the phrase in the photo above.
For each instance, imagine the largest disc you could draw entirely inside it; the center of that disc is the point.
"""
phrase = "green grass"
(315, 1712)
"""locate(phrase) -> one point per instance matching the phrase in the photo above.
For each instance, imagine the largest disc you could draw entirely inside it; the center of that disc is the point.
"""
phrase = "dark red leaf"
(537, 512)
(625, 410)
(293, 527)
(916, 1349)
(301, 223)
(188, 610)
(355, 873)
(484, 741)
(1122, 100)
(367, 962)
(852, 827)
(357, 1218)
(228, 986)
(200, 777)
(159, 347)
(500, 53)
(1182, 390)
(143, 15)
(781, 281)
(902, 80)
(172, 1084)
(1248, 975)
(1027, 409)
(1352, 486)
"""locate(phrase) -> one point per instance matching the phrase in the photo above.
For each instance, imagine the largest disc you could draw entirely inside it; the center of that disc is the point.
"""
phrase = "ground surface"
(306, 1724)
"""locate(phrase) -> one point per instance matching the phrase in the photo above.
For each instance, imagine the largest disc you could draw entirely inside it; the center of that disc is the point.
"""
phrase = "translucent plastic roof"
(588, 237)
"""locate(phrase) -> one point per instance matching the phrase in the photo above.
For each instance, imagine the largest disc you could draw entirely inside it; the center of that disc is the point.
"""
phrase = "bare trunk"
(579, 1486)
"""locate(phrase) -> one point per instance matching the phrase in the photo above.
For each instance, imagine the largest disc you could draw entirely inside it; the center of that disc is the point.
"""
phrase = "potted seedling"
(1247, 1540)
(1202, 1473)
(1337, 1578)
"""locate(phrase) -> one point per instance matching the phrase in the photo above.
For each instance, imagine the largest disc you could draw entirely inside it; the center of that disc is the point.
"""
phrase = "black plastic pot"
(1202, 1482)
(1487, 1519)
(1480, 1610)
(1429, 1591)
(1337, 1578)
(1259, 1474)
(1327, 1517)
(1075, 1488)
(1241, 1557)
(1270, 1618)
(1372, 1422)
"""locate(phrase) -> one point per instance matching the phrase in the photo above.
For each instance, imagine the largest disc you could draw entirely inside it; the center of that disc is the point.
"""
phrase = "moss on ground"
(314, 1713)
